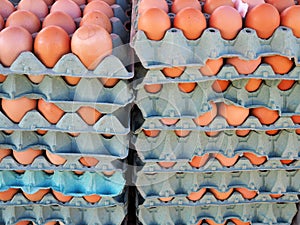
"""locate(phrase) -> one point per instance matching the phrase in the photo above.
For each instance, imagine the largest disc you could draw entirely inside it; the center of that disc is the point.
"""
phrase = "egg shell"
(92, 198)
(244, 66)
(272, 132)
(181, 4)
(147, 4)
(88, 161)
(38, 7)
(221, 195)
(2, 78)
(61, 197)
(6, 8)
(109, 2)
(60, 19)
(234, 115)
(151, 133)
(98, 5)
(226, 161)
(166, 164)
(67, 6)
(290, 17)
(207, 118)
(281, 5)
(79, 2)
(280, 64)
(199, 161)
(285, 85)
(220, 85)
(196, 196)
(211, 5)
(246, 193)
(36, 79)
(4, 152)
(212, 133)
(173, 71)
(182, 133)
(153, 88)
(89, 115)
(1, 22)
(187, 87)
(253, 84)
(169, 121)
(49, 2)
(97, 18)
(255, 159)
(8, 194)
(264, 115)
(211, 67)
(253, 3)
(166, 199)
(27, 157)
(109, 82)
(37, 196)
(55, 159)
(50, 111)
(70, 80)
(239, 222)
(23, 222)
(242, 133)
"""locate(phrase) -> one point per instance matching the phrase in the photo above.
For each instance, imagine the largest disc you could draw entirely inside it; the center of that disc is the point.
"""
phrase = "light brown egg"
(207, 118)
(226, 161)
(221, 195)
(88, 161)
(151, 133)
(244, 66)
(281, 4)
(182, 133)
(72, 81)
(181, 4)
(92, 198)
(97, 18)
(285, 85)
(109, 82)
(37, 196)
(6, 8)
(27, 157)
(211, 5)
(169, 121)
(8, 194)
(4, 152)
(55, 159)
(199, 161)
(246, 193)
(1, 22)
(173, 71)
(220, 85)
(239, 222)
(67, 6)
(280, 64)
(61, 197)
(195, 196)
(60, 19)
(153, 88)
(99, 5)
(166, 164)
(290, 17)
(264, 115)
(147, 4)
(50, 111)
(234, 115)
(255, 159)
(89, 115)
(187, 87)
(242, 133)
(49, 2)
(38, 7)
(253, 84)
(211, 67)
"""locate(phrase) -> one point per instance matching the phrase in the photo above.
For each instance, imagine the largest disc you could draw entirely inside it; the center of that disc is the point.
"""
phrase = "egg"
(264, 115)
(37, 196)
(147, 4)
(97, 18)
(220, 85)
(67, 6)
(60, 19)
(226, 161)
(151, 133)
(187, 87)
(49, 2)
(55, 159)
(109, 82)
(61, 197)
(25, 19)
(38, 7)
(212, 133)
(166, 164)
(290, 18)
(98, 5)
(79, 2)
(199, 161)
(6, 8)
(92, 198)
(173, 71)
(276, 195)
(89, 115)
(88, 161)
(244, 66)
(272, 132)
(253, 84)
(14, 41)
(50, 44)
(253, 3)
(1, 22)
(166, 199)
(255, 159)
(91, 43)
(154, 22)
(181, 4)
(2, 78)
(8, 194)
(191, 21)
(280, 64)
(72, 81)
(212, 222)
(182, 133)
(4, 152)
(211, 67)
(196, 196)
(36, 79)
(23, 222)
(246, 193)
(239, 222)
(286, 162)
(242, 133)
(50, 111)
(153, 88)
(285, 85)
(227, 20)
(281, 4)
(54, 222)
(15, 109)
(211, 5)
(264, 19)
(27, 157)
(207, 118)
(221, 195)
(234, 115)
(169, 121)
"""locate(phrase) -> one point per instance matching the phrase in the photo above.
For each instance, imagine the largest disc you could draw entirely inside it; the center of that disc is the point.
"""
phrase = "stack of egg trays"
(175, 50)
(114, 104)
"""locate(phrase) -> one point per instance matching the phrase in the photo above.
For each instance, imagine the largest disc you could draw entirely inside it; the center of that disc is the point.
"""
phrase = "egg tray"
(40, 215)
(167, 146)
(87, 183)
(170, 184)
(116, 123)
(257, 213)
(88, 92)
(227, 72)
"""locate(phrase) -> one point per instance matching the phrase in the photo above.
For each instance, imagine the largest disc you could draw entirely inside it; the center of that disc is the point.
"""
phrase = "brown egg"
(1, 22)
(211, 67)
(226, 161)
(276, 195)
(212, 133)
(166, 164)
(79, 2)
(234, 115)
(92, 198)
(169, 121)
(212, 222)
(286, 161)
(285, 85)
(25, 19)
(2, 78)
(23, 222)
(50, 111)
(207, 118)
(49, 2)
(221, 195)
(244, 66)
(37, 196)
(61, 197)
(27, 157)
(15, 109)
(246, 193)
(280, 64)
(220, 85)
(254, 159)
(242, 133)
(182, 133)
(60, 19)
(50, 44)
(239, 222)
(272, 132)
(6, 8)
(151, 133)
(173, 71)
(195, 196)
(52, 223)
(147, 4)
(263, 18)
(290, 17)
(211, 5)
(4, 152)
(109, 82)
(38, 7)
(187, 87)
(281, 4)
(253, 3)
(181, 4)
(99, 5)
(199, 161)
(88, 161)
(97, 18)
(70, 80)
(227, 20)
(89, 115)
(191, 21)
(91, 44)
(253, 84)
(14, 41)
(36, 79)
(153, 88)
(296, 119)
(166, 199)
(110, 2)
(8, 194)
(154, 22)
(55, 159)
(67, 6)
(266, 116)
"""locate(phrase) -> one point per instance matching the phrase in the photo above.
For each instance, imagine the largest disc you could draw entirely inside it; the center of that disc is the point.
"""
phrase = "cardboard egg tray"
(88, 183)
(116, 123)
(167, 146)
(88, 92)
(257, 214)
(40, 215)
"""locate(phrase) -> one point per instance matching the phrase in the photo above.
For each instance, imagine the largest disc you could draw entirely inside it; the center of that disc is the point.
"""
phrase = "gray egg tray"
(257, 213)
(40, 215)
(88, 92)
(116, 123)
(87, 183)
(170, 184)
(167, 146)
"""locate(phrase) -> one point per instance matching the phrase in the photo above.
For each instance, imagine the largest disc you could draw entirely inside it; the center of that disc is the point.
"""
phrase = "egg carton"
(40, 215)
(116, 123)
(192, 74)
(88, 92)
(167, 146)
(256, 213)
(170, 184)
(87, 183)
